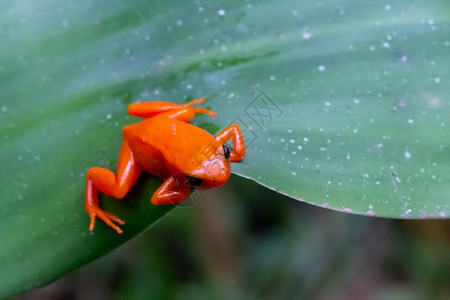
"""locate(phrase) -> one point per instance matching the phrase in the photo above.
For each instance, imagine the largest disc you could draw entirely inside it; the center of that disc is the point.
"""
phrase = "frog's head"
(212, 170)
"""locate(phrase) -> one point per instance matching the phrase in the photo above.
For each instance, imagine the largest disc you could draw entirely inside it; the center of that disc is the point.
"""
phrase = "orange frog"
(167, 146)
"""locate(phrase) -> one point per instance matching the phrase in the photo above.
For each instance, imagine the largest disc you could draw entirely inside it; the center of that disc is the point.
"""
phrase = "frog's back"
(161, 143)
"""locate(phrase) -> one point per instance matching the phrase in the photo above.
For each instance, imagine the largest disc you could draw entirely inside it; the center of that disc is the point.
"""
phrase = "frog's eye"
(194, 181)
(226, 151)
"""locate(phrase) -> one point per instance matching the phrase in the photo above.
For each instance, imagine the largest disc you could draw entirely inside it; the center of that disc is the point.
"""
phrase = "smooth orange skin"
(168, 147)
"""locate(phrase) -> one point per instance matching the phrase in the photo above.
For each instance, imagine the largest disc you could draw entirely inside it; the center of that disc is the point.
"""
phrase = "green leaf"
(343, 104)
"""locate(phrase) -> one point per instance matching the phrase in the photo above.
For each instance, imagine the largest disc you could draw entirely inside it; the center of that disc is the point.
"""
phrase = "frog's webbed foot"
(106, 217)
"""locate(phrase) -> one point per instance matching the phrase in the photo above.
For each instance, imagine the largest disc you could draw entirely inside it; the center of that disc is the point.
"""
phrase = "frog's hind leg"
(116, 185)
(151, 109)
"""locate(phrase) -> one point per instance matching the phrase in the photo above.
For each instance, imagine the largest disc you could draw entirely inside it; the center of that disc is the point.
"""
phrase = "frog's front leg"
(105, 181)
(234, 132)
(172, 191)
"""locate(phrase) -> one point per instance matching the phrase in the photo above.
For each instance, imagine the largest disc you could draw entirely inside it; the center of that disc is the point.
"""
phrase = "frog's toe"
(106, 217)
(114, 218)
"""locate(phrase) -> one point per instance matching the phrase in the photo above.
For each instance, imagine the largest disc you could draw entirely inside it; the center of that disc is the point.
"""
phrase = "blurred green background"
(242, 241)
